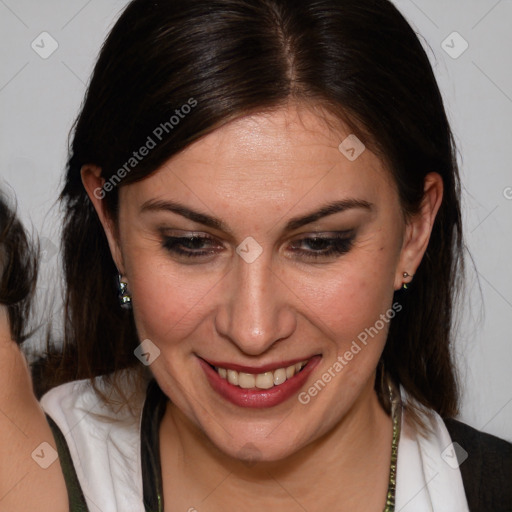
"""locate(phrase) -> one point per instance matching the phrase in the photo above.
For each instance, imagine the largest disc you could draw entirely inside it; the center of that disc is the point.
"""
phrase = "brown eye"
(190, 246)
(317, 247)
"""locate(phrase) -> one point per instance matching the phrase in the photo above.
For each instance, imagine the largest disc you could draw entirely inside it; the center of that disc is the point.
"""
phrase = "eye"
(193, 246)
(323, 246)
(313, 247)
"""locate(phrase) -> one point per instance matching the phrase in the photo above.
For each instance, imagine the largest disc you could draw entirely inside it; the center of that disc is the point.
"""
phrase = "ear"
(93, 183)
(418, 229)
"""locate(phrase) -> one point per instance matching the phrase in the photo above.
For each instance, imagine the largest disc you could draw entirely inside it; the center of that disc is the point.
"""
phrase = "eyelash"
(338, 245)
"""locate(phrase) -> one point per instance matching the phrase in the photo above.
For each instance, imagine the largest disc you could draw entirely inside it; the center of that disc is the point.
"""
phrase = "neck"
(349, 464)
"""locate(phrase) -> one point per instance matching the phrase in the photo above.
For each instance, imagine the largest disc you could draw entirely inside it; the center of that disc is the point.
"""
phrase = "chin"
(258, 445)
(251, 453)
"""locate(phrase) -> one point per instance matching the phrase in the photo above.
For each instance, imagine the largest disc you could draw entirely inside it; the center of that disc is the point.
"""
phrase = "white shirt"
(105, 449)
(428, 475)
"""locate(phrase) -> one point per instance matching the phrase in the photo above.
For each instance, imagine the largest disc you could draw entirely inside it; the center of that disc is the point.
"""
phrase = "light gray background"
(39, 99)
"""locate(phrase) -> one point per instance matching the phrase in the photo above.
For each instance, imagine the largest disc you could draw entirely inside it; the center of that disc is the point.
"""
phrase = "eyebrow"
(292, 224)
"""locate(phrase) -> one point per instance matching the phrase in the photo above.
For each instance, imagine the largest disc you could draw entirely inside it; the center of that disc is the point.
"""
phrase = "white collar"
(104, 444)
(428, 478)
(105, 449)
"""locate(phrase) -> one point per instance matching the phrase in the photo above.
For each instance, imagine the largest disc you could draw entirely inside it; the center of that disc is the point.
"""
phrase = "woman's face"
(258, 247)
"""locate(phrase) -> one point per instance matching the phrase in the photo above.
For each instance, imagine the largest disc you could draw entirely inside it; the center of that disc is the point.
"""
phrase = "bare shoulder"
(30, 473)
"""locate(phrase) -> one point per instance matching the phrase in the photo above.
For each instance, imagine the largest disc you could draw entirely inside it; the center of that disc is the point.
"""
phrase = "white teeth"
(264, 380)
(233, 377)
(246, 380)
(279, 376)
(290, 372)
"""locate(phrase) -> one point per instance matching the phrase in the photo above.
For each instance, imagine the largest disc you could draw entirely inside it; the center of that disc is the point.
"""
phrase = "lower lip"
(258, 398)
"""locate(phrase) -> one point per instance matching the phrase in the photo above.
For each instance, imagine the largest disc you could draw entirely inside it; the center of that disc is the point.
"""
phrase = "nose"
(256, 309)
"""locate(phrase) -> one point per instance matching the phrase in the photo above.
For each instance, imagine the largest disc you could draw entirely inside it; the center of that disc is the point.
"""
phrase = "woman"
(273, 186)
(30, 473)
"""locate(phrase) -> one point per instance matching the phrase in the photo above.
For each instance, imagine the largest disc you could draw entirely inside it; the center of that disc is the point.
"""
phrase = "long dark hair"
(359, 59)
(18, 270)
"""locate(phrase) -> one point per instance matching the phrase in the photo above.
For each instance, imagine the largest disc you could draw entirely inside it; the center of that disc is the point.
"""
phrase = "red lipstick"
(255, 397)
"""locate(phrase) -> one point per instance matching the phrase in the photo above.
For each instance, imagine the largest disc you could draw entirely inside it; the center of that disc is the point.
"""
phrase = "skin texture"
(24, 485)
(255, 174)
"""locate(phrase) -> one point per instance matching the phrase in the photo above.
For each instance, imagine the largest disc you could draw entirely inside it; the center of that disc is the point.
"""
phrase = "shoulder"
(75, 398)
(25, 440)
(486, 466)
(103, 440)
(85, 416)
(490, 446)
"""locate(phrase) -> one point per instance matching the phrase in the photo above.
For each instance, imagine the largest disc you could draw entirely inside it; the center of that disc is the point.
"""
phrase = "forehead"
(281, 154)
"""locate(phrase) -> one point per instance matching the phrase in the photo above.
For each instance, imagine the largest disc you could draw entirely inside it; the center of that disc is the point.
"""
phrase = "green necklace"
(396, 415)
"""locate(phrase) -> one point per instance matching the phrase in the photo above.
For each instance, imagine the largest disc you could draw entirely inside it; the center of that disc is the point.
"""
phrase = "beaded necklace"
(396, 415)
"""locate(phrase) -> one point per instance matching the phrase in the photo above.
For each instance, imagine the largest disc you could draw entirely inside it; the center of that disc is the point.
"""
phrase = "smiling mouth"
(264, 380)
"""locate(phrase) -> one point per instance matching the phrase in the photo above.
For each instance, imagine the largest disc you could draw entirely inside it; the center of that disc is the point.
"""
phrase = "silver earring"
(125, 299)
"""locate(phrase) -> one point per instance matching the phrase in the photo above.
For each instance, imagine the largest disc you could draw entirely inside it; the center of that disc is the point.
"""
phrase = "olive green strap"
(153, 412)
(76, 497)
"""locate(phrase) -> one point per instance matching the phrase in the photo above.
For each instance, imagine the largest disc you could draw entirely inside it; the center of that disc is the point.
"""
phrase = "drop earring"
(405, 276)
(125, 299)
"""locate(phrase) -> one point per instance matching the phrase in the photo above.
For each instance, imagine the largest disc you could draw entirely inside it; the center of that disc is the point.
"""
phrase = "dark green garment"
(152, 414)
(154, 408)
(75, 494)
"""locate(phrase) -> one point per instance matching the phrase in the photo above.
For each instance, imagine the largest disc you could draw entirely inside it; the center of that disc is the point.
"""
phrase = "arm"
(24, 483)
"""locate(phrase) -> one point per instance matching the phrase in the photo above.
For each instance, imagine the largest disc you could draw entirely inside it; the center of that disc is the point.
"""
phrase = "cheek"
(348, 302)
(169, 302)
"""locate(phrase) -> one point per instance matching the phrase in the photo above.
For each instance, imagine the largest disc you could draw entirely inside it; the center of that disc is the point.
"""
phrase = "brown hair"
(358, 58)
(18, 271)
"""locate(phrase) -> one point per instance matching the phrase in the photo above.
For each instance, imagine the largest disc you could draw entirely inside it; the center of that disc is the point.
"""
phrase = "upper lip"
(256, 369)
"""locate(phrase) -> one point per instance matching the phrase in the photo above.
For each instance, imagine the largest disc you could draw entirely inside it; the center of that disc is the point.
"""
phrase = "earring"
(405, 276)
(125, 299)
